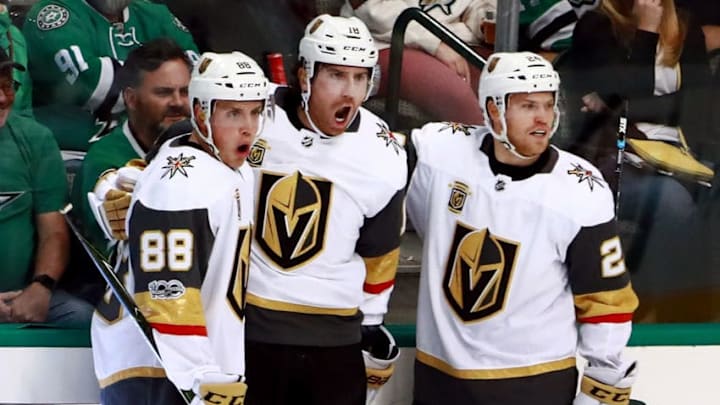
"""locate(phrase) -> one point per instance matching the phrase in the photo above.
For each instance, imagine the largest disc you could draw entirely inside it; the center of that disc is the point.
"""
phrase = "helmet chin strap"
(306, 108)
(510, 147)
(503, 138)
(206, 138)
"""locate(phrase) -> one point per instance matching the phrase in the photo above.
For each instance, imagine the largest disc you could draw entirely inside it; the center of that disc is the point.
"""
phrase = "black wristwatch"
(45, 281)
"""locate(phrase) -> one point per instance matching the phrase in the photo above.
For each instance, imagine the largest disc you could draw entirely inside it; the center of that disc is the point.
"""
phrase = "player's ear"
(302, 78)
(199, 115)
(493, 113)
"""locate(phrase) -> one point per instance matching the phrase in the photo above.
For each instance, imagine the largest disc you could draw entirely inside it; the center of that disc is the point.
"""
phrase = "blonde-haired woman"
(646, 58)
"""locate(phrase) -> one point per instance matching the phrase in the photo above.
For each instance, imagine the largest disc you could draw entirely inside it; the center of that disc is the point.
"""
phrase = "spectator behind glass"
(650, 55)
(155, 90)
(434, 77)
(546, 26)
(708, 15)
(76, 49)
(35, 238)
(13, 42)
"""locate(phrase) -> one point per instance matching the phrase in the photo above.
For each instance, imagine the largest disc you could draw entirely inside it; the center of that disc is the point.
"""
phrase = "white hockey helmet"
(228, 76)
(337, 41)
(515, 72)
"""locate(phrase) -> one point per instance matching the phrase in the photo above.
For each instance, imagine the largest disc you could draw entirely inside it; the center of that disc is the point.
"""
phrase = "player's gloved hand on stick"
(219, 389)
(111, 197)
(380, 353)
(601, 385)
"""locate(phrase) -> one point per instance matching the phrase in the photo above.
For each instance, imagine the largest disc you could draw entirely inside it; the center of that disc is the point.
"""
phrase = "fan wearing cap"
(189, 230)
(522, 266)
(8, 85)
(13, 42)
(35, 241)
(330, 177)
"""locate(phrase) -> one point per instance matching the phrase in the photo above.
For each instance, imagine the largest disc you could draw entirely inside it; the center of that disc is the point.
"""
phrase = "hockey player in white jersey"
(189, 230)
(522, 266)
(330, 178)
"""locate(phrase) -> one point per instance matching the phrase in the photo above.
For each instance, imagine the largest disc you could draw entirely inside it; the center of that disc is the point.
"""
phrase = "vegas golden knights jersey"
(520, 270)
(327, 229)
(187, 262)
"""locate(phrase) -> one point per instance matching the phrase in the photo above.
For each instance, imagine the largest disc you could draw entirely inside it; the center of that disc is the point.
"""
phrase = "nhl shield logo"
(458, 196)
(257, 153)
(52, 16)
(478, 272)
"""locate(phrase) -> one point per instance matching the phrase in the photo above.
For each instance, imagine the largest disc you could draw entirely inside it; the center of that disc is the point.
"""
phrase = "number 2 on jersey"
(613, 264)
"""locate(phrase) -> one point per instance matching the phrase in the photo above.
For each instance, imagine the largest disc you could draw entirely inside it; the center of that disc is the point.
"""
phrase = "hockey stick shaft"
(119, 291)
(621, 143)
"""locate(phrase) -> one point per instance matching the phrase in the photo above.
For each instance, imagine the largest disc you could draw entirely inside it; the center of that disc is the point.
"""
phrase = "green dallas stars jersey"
(75, 54)
(548, 24)
(112, 151)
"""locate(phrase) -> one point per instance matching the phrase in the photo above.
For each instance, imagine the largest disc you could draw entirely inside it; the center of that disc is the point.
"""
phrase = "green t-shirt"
(75, 54)
(112, 151)
(32, 182)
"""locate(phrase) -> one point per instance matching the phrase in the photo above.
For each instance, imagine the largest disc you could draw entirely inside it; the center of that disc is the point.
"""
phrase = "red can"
(277, 68)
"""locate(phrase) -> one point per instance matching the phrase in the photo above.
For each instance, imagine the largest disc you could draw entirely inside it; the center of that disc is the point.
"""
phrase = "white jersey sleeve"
(189, 233)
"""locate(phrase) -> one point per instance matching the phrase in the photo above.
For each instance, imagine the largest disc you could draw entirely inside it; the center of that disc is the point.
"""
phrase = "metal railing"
(396, 54)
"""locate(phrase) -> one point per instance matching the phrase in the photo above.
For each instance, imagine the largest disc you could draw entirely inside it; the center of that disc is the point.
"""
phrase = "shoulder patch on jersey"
(179, 24)
(459, 193)
(177, 165)
(257, 152)
(585, 175)
(390, 139)
(52, 16)
(458, 127)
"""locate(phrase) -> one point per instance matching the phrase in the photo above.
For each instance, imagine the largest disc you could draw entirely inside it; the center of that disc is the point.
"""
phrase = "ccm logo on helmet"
(354, 48)
(542, 76)
(249, 85)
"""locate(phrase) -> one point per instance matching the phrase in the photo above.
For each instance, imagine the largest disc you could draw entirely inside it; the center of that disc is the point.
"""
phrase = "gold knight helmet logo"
(458, 196)
(257, 153)
(292, 217)
(478, 273)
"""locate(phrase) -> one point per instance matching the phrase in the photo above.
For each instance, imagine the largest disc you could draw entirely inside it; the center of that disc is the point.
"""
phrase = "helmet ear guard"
(230, 76)
(506, 73)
